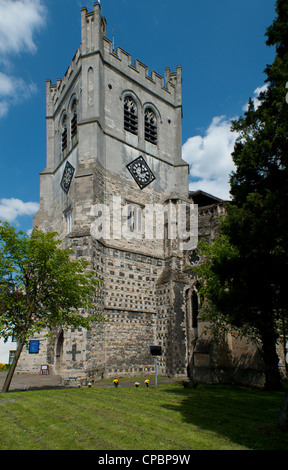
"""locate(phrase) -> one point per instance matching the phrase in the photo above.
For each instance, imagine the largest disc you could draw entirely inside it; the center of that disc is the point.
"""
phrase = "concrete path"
(30, 381)
(38, 382)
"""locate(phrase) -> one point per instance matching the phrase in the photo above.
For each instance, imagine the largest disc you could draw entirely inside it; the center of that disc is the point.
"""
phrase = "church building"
(116, 187)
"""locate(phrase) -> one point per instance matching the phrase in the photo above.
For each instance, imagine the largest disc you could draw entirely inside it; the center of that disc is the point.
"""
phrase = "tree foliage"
(42, 286)
(246, 271)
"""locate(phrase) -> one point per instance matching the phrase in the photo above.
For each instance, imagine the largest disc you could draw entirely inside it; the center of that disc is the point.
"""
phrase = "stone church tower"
(114, 147)
(115, 186)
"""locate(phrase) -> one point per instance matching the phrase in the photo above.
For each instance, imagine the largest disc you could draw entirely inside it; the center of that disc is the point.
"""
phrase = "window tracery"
(64, 134)
(130, 115)
(150, 126)
(74, 122)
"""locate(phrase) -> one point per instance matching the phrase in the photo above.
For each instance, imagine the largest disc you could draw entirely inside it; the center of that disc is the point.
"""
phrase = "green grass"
(169, 418)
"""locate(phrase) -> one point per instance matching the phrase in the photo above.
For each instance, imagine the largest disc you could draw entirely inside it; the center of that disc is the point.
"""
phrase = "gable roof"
(204, 199)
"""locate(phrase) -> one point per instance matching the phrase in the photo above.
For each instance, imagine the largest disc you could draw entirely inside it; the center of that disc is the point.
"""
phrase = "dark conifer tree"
(251, 282)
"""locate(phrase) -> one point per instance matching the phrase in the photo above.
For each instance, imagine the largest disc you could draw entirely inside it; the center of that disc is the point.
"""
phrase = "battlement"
(121, 60)
(55, 91)
(94, 41)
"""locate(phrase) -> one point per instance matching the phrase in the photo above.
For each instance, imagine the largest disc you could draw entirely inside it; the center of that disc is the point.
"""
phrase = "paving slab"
(30, 381)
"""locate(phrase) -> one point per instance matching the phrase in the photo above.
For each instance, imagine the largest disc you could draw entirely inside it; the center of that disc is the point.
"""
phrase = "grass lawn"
(169, 418)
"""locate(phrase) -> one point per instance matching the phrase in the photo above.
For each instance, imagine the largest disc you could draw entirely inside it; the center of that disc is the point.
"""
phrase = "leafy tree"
(41, 287)
(246, 271)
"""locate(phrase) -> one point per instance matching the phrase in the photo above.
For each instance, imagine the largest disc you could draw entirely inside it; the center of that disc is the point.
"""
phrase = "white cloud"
(11, 209)
(19, 19)
(6, 86)
(210, 158)
(13, 90)
(255, 99)
(3, 108)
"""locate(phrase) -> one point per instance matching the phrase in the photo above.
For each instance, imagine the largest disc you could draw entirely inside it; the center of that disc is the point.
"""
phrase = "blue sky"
(220, 45)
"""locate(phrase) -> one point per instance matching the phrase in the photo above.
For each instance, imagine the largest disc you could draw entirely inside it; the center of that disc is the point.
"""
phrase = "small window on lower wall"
(11, 356)
(134, 218)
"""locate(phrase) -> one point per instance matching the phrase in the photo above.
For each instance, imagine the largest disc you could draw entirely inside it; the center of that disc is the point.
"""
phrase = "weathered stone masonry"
(106, 114)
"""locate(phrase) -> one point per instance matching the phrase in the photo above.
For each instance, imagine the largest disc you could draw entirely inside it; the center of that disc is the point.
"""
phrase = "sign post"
(155, 358)
(156, 351)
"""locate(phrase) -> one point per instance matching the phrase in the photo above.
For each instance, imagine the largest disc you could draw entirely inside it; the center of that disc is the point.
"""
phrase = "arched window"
(74, 119)
(90, 79)
(64, 133)
(134, 218)
(150, 126)
(130, 115)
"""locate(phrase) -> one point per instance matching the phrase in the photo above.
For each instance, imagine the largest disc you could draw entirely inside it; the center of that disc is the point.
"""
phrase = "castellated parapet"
(54, 92)
(168, 87)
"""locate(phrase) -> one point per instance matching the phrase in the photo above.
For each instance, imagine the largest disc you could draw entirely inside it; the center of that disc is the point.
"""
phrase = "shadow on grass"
(245, 416)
